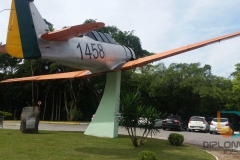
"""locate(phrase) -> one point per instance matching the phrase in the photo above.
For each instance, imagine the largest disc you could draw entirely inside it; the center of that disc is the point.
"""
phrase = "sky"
(161, 25)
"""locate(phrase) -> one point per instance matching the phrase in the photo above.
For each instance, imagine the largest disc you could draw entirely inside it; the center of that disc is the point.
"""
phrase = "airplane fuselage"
(86, 53)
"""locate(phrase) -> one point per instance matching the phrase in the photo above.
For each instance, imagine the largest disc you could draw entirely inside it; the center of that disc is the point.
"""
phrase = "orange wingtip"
(70, 32)
(75, 74)
(145, 60)
(33, 78)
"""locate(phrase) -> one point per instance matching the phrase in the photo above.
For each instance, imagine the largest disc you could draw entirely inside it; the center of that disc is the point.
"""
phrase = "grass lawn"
(55, 145)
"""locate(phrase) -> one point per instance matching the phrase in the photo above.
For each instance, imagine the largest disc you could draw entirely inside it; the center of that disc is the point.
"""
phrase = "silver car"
(158, 123)
(222, 126)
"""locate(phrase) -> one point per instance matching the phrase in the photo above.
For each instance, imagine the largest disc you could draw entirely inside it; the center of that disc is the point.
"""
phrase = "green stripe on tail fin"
(22, 39)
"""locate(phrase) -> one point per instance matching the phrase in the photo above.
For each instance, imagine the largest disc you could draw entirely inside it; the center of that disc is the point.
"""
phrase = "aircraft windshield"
(102, 37)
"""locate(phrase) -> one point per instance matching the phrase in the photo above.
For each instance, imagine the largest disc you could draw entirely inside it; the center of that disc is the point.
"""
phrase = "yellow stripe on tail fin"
(14, 45)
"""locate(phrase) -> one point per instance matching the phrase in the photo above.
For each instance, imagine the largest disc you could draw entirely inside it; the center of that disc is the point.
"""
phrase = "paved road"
(189, 137)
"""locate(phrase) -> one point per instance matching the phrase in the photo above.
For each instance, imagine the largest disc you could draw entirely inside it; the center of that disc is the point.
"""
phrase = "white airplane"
(94, 53)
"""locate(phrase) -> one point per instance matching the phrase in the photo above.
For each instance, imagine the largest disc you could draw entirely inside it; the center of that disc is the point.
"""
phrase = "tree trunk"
(71, 107)
(45, 106)
(59, 107)
(37, 96)
(66, 106)
(56, 108)
(134, 141)
(52, 107)
(73, 100)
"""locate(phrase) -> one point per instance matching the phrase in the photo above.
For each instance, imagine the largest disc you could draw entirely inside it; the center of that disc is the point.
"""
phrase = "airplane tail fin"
(25, 26)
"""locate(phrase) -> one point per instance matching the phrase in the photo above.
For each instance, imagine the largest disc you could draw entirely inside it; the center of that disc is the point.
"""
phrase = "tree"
(50, 26)
(126, 38)
(236, 86)
(131, 110)
(9, 64)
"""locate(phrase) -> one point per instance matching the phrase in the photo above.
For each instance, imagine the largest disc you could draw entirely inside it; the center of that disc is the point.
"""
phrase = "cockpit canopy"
(102, 37)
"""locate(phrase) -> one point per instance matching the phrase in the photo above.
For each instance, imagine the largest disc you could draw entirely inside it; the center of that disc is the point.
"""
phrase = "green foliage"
(151, 115)
(182, 89)
(131, 110)
(147, 155)
(75, 114)
(9, 64)
(5, 114)
(235, 97)
(50, 26)
(175, 139)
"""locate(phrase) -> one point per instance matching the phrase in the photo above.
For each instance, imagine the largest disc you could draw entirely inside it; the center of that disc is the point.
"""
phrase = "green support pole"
(105, 121)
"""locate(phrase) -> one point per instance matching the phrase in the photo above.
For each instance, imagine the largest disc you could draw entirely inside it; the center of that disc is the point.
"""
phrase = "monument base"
(29, 120)
(105, 121)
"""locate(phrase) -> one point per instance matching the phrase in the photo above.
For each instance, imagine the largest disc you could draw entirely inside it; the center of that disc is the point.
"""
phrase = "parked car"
(174, 122)
(223, 127)
(158, 123)
(198, 123)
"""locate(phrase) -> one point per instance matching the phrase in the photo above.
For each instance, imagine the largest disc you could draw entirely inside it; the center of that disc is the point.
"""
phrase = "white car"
(198, 123)
(221, 125)
(158, 123)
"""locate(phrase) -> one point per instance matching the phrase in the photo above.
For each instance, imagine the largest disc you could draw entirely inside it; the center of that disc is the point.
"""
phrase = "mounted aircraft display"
(93, 53)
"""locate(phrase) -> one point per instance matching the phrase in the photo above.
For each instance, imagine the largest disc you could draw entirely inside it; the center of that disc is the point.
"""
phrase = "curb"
(212, 154)
(52, 122)
(194, 145)
(47, 122)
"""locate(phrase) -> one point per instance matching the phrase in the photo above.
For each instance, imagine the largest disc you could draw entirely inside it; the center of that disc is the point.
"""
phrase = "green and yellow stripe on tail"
(21, 38)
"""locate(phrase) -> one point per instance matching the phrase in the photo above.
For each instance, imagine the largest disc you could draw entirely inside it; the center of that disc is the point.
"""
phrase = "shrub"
(75, 114)
(176, 139)
(147, 155)
(5, 114)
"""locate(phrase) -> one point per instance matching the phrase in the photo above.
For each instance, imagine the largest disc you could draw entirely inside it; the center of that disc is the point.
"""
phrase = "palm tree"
(131, 111)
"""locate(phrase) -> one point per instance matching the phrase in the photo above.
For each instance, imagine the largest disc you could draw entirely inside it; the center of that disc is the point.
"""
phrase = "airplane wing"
(70, 32)
(145, 60)
(3, 49)
(131, 64)
(75, 74)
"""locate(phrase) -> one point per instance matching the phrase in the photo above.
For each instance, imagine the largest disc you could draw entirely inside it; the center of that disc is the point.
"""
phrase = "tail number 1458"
(92, 50)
